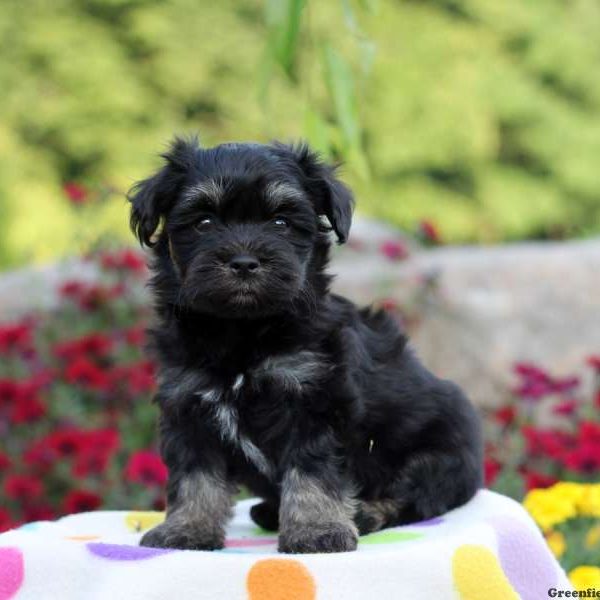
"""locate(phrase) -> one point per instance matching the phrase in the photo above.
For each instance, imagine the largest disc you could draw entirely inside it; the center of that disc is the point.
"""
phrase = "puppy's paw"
(320, 537)
(266, 515)
(183, 537)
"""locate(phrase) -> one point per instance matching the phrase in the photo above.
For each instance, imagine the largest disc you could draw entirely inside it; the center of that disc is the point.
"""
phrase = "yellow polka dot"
(279, 579)
(82, 538)
(479, 576)
(143, 520)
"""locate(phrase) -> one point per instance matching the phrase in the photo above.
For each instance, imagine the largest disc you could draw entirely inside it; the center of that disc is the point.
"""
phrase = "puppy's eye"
(280, 222)
(204, 223)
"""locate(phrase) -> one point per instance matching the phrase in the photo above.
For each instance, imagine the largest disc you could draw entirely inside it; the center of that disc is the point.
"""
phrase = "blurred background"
(470, 133)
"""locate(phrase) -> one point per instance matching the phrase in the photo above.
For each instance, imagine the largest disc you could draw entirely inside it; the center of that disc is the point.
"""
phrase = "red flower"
(135, 336)
(20, 400)
(537, 383)
(549, 443)
(594, 362)
(72, 289)
(538, 480)
(98, 447)
(95, 345)
(146, 467)
(15, 337)
(75, 192)
(136, 378)
(5, 462)
(394, 250)
(389, 305)
(66, 443)
(429, 232)
(584, 459)
(565, 407)
(39, 512)
(589, 432)
(505, 415)
(22, 487)
(85, 373)
(491, 470)
(81, 501)
(124, 260)
(27, 409)
(9, 392)
(6, 522)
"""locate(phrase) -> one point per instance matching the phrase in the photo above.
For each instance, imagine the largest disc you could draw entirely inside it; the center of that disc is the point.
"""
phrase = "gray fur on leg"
(313, 519)
(197, 519)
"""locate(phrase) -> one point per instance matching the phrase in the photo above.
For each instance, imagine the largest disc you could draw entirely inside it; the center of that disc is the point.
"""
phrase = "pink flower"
(75, 192)
(394, 250)
(565, 407)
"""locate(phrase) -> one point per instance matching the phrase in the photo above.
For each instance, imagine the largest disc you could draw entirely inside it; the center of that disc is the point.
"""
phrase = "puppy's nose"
(244, 264)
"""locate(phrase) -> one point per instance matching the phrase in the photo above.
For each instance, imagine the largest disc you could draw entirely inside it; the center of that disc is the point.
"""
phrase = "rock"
(472, 312)
(481, 309)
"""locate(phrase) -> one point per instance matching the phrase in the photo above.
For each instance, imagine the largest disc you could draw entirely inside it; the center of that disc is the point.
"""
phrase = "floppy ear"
(152, 198)
(330, 196)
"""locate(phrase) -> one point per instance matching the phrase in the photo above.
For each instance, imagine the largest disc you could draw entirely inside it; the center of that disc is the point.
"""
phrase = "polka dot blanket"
(488, 549)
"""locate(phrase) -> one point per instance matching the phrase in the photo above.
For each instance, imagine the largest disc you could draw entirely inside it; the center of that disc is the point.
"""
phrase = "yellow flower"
(585, 577)
(556, 541)
(549, 508)
(592, 539)
(568, 490)
(589, 503)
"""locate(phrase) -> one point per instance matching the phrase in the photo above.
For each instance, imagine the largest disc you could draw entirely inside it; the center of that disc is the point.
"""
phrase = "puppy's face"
(240, 222)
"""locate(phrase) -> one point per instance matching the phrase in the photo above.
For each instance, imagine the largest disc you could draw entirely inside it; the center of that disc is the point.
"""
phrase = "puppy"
(266, 379)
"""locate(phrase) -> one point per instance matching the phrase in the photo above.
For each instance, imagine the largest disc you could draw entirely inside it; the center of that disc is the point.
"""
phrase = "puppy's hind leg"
(373, 515)
(433, 483)
(266, 515)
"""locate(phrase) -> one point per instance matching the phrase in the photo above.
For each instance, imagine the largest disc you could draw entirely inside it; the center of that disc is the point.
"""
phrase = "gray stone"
(472, 311)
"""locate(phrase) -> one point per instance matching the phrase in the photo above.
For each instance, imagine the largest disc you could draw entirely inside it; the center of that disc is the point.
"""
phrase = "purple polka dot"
(525, 558)
(123, 552)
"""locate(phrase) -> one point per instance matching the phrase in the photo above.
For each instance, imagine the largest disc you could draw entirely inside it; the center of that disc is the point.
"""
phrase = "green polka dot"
(389, 537)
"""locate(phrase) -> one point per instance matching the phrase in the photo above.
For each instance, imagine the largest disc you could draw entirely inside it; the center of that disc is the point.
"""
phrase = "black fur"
(267, 379)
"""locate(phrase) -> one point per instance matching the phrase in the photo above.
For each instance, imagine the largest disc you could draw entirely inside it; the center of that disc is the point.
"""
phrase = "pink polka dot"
(11, 572)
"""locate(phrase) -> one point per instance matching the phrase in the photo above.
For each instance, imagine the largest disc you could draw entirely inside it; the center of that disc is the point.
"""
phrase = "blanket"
(488, 549)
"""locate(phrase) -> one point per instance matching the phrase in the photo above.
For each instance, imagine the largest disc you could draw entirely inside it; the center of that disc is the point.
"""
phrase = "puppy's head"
(243, 225)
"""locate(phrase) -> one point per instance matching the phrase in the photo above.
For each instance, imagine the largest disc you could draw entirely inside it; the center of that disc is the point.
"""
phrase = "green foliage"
(482, 116)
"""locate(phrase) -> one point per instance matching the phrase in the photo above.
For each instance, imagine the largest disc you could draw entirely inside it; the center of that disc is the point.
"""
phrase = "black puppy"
(268, 380)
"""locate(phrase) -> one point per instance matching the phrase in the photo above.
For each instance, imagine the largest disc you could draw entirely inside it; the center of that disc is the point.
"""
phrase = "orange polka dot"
(280, 579)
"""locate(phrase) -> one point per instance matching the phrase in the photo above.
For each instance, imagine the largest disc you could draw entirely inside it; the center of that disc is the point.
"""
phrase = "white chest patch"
(227, 421)
(295, 371)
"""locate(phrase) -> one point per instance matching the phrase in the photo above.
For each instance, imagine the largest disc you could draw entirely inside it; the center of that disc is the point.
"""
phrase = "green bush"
(482, 116)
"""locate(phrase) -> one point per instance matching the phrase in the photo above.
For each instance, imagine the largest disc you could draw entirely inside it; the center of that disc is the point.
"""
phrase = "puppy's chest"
(255, 411)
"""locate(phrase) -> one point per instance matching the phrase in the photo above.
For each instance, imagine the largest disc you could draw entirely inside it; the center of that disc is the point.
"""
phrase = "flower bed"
(78, 429)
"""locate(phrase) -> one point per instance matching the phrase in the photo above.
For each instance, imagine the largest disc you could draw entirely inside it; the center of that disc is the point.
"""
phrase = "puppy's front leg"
(315, 514)
(199, 498)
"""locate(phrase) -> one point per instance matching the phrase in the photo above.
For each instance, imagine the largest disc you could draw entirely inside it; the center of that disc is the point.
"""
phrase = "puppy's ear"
(330, 196)
(152, 198)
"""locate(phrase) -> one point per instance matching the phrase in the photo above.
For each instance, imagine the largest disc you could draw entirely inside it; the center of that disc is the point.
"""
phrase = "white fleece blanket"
(488, 549)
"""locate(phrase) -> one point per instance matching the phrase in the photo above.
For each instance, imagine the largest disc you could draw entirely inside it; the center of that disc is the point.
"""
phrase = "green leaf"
(283, 21)
(342, 93)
